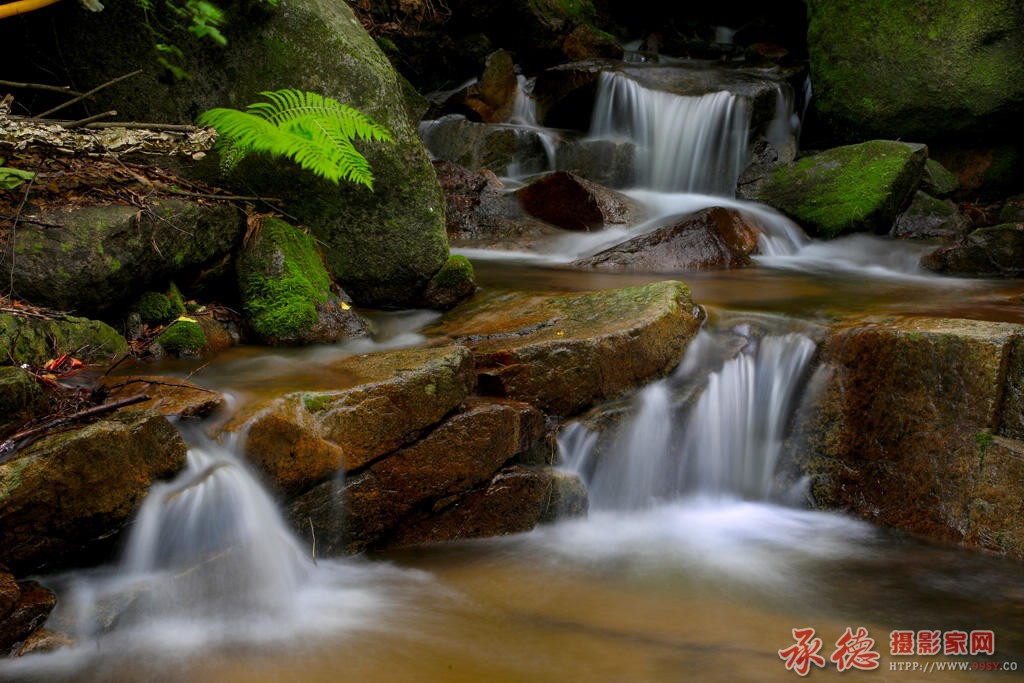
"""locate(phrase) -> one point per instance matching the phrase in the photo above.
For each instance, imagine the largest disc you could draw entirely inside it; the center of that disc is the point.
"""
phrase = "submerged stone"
(169, 396)
(564, 352)
(856, 188)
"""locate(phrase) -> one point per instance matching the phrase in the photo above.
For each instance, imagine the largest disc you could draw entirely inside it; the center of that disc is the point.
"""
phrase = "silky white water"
(683, 144)
(714, 429)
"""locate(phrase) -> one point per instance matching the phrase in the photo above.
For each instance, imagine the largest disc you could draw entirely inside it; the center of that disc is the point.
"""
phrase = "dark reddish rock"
(710, 238)
(33, 605)
(575, 203)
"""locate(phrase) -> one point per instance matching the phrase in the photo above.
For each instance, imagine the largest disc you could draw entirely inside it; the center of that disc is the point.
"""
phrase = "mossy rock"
(34, 341)
(65, 498)
(1013, 210)
(928, 217)
(183, 337)
(156, 308)
(20, 397)
(938, 180)
(286, 290)
(996, 251)
(920, 70)
(383, 245)
(453, 283)
(104, 254)
(856, 188)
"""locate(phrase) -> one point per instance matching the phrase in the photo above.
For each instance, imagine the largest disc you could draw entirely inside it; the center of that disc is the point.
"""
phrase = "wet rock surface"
(564, 352)
(65, 498)
(918, 428)
(571, 202)
(711, 238)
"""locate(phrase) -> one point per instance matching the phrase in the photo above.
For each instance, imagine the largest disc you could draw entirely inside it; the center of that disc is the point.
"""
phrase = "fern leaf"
(314, 131)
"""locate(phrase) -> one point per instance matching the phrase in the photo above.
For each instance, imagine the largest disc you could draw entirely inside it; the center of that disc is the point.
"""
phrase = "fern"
(314, 131)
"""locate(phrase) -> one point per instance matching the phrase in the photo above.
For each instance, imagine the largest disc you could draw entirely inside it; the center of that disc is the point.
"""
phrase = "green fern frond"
(314, 131)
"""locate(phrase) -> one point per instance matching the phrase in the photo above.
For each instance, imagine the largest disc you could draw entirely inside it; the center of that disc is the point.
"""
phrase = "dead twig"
(92, 92)
(23, 438)
(62, 89)
(89, 119)
(31, 221)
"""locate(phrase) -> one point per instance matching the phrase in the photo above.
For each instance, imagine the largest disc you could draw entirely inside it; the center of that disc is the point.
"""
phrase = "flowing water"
(696, 561)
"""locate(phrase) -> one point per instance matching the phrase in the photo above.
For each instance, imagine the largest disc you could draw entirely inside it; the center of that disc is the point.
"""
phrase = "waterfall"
(216, 539)
(684, 144)
(715, 428)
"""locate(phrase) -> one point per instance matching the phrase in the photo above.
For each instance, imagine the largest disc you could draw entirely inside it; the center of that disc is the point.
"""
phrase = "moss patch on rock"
(939, 181)
(450, 285)
(20, 397)
(919, 69)
(34, 341)
(286, 290)
(856, 188)
(184, 337)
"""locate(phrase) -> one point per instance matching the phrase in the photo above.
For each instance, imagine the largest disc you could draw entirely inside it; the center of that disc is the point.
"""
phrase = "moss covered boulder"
(103, 254)
(906, 430)
(996, 251)
(453, 283)
(65, 498)
(383, 246)
(184, 337)
(856, 188)
(564, 352)
(35, 341)
(928, 217)
(286, 290)
(918, 70)
(20, 398)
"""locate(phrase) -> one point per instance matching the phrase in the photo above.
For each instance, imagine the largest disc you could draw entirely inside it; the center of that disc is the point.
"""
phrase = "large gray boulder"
(383, 246)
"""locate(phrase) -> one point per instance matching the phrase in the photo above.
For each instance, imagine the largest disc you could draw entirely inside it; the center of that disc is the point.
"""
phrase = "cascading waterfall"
(742, 385)
(220, 537)
(684, 144)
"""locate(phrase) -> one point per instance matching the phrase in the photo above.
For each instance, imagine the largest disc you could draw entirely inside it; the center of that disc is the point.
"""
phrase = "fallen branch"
(62, 89)
(89, 119)
(22, 219)
(13, 9)
(142, 125)
(10, 446)
(92, 92)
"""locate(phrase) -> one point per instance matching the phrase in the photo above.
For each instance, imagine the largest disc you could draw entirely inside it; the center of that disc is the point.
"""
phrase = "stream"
(693, 563)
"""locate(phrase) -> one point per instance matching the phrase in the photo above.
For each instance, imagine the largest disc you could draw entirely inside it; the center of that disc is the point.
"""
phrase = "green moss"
(184, 336)
(315, 402)
(916, 69)
(155, 309)
(26, 340)
(10, 477)
(938, 180)
(847, 189)
(283, 280)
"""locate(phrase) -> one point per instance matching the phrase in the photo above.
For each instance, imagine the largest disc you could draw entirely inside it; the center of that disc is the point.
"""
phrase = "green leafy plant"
(314, 131)
(13, 178)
